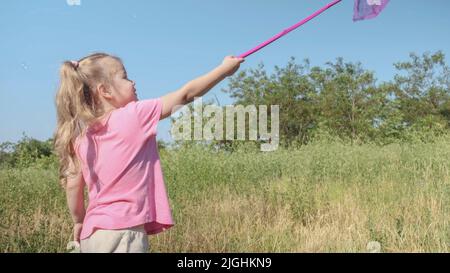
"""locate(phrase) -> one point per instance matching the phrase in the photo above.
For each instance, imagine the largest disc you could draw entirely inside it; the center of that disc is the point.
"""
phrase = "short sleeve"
(148, 113)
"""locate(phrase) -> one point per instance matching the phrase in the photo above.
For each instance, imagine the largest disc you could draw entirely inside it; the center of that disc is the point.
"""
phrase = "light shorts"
(130, 240)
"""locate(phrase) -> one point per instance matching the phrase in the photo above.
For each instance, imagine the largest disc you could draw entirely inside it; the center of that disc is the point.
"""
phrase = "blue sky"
(166, 43)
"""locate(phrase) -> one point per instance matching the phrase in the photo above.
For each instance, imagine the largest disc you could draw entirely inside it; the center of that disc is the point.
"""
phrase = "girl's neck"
(107, 108)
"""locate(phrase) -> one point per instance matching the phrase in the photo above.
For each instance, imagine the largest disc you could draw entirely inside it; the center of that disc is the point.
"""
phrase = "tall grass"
(323, 197)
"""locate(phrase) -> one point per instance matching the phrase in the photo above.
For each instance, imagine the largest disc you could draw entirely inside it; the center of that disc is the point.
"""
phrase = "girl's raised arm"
(199, 86)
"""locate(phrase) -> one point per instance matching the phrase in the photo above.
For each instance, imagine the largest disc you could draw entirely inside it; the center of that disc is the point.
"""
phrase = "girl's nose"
(133, 83)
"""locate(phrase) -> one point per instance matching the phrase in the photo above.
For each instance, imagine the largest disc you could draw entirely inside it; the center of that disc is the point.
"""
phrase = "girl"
(106, 140)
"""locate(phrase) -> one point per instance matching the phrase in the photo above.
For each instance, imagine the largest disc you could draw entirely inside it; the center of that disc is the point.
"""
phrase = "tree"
(348, 99)
(290, 88)
(26, 151)
(422, 89)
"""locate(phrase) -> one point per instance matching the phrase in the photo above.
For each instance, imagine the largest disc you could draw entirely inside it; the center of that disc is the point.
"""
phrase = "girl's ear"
(103, 92)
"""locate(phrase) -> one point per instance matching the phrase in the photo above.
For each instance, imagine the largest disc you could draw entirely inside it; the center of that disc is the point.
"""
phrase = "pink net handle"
(286, 31)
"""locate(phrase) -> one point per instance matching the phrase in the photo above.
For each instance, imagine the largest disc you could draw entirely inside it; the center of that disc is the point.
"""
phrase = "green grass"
(323, 197)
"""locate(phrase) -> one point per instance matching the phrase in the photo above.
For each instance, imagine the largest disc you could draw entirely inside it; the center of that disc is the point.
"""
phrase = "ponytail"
(77, 108)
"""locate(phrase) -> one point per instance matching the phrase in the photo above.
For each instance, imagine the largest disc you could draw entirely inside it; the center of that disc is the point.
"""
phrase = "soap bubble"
(373, 247)
(24, 66)
(73, 2)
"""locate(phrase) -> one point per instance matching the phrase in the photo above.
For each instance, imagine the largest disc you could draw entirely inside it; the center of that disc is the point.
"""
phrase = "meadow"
(326, 196)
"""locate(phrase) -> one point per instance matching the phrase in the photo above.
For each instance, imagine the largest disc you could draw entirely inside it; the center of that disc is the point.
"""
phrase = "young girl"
(106, 140)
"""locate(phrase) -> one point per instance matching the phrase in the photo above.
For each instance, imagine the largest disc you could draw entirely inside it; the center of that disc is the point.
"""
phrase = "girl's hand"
(77, 231)
(231, 64)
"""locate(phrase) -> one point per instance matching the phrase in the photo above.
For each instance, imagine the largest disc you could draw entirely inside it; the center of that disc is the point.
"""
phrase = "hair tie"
(75, 63)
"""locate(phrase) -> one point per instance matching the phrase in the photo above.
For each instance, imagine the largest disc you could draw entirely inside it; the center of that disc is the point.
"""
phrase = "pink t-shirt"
(122, 171)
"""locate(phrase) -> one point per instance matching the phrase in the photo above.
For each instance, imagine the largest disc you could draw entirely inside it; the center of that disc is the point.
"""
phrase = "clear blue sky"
(165, 43)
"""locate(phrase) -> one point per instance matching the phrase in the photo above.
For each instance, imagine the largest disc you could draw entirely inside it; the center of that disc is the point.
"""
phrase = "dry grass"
(321, 198)
(226, 221)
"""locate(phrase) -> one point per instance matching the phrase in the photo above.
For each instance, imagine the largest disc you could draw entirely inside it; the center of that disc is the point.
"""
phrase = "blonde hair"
(78, 106)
